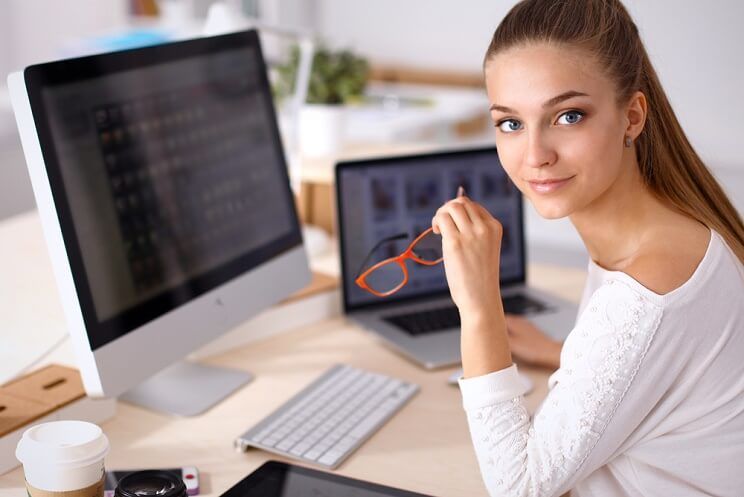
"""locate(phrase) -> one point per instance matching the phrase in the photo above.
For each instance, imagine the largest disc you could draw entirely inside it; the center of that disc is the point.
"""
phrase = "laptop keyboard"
(445, 318)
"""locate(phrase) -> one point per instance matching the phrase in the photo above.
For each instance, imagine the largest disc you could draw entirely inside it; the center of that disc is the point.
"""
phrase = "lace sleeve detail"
(546, 456)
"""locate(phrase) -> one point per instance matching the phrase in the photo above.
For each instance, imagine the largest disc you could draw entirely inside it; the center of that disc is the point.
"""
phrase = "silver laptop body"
(379, 197)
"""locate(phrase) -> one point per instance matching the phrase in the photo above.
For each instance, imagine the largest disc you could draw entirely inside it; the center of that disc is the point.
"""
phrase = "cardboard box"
(316, 205)
(16, 412)
(55, 386)
(52, 393)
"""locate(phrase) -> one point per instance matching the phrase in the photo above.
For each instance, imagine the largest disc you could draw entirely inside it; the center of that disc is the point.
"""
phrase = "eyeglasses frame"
(400, 260)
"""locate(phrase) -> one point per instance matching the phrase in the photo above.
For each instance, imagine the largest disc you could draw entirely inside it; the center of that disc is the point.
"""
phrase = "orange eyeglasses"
(390, 275)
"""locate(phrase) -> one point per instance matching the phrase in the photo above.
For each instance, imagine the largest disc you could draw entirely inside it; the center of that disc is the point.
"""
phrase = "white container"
(63, 456)
(85, 409)
(321, 129)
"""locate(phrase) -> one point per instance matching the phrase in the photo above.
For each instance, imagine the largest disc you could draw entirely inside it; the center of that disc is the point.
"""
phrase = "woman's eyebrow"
(548, 103)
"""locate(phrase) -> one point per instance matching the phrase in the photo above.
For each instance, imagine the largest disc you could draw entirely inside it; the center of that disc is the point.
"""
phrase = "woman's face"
(559, 131)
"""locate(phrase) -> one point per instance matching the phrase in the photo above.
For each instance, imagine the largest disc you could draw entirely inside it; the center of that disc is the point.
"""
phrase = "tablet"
(278, 479)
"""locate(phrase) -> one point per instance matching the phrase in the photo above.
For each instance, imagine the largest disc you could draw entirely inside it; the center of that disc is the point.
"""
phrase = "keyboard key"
(300, 449)
(331, 457)
(370, 422)
(345, 444)
(270, 442)
(312, 455)
(285, 445)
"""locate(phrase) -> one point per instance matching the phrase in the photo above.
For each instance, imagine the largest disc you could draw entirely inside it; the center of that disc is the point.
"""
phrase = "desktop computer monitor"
(164, 197)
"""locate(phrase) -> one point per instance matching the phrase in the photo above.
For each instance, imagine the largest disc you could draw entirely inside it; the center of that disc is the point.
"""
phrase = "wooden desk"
(425, 447)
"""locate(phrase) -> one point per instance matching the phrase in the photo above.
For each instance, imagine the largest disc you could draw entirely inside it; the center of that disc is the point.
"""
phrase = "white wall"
(439, 34)
(5, 48)
(34, 31)
(38, 28)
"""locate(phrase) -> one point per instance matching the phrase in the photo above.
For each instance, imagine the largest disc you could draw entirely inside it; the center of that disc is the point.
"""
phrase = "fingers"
(459, 215)
(468, 215)
(444, 224)
(481, 212)
(474, 214)
(469, 218)
(475, 211)
(487, 219)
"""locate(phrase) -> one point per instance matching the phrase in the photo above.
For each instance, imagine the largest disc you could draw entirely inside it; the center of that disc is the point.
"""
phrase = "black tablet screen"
(275, 479)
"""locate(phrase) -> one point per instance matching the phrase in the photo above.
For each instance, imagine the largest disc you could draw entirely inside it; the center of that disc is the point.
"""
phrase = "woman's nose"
(539, 151)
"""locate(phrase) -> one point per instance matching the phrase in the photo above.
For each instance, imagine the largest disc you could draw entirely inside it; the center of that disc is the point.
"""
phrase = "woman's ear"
(635, 113)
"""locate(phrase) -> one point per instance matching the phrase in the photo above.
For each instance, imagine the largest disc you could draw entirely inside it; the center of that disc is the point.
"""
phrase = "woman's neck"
(621, 222)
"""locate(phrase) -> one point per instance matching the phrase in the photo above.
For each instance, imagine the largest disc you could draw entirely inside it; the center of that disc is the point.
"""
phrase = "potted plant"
(336, 78)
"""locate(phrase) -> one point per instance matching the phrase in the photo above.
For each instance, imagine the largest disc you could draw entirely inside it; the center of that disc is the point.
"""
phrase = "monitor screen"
(167, 173)
(384, 197)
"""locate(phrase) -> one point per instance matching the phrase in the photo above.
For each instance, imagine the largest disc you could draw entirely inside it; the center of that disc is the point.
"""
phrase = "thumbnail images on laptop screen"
(381, 199)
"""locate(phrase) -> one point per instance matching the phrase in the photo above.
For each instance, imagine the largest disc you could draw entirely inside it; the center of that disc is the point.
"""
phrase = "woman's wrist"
(483, 317)
(483, 342)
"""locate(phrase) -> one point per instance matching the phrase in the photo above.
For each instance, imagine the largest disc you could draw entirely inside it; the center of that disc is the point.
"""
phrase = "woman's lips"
(548, 186)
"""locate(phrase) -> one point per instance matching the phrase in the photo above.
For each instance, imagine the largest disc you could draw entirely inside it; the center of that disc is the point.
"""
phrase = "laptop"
(382, 199)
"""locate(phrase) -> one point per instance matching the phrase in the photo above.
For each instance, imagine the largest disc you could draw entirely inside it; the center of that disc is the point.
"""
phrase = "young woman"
(649, 396)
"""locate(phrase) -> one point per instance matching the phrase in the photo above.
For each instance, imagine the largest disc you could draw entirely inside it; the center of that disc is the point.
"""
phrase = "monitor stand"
(186, 388)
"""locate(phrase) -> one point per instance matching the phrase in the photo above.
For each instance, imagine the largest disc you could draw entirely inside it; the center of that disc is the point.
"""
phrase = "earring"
(628, 141)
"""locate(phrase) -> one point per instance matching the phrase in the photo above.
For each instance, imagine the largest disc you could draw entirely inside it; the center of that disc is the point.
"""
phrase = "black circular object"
(151, 483)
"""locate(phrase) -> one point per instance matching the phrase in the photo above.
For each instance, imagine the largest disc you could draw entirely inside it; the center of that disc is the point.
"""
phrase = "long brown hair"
(669, 165)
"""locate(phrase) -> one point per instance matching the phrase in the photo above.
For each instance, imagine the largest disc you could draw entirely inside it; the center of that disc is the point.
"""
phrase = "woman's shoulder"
(671, 259)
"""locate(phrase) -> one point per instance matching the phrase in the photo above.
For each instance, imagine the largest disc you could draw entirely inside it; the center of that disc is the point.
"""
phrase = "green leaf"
(335, 78)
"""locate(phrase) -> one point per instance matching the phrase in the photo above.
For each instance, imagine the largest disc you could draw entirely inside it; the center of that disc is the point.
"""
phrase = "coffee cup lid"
(63, 444)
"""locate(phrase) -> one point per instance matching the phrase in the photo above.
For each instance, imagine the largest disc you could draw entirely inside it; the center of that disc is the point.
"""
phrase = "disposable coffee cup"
(63, 459)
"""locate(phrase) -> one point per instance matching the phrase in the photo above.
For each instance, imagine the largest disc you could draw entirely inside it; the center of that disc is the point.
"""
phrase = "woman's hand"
(529, 344)
(471, 244)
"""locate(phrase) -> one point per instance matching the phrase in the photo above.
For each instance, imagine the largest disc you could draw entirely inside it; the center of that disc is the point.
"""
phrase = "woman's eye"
(509, 125)
(570, 117)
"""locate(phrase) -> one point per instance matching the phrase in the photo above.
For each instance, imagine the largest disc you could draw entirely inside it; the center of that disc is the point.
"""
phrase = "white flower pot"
(321, 129)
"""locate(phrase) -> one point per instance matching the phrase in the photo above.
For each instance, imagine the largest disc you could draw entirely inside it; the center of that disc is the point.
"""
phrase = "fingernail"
(460, 191)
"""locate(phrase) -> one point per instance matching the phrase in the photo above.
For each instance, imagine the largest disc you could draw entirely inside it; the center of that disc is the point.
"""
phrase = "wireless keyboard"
(331, 417)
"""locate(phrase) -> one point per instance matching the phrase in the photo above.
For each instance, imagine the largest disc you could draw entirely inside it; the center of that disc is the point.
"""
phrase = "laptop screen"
(381, 198)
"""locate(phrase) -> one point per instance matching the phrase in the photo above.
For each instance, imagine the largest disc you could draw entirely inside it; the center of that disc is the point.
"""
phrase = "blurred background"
(420, 65)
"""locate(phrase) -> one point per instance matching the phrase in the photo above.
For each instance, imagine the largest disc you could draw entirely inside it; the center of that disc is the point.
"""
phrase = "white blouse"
(648, 400)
